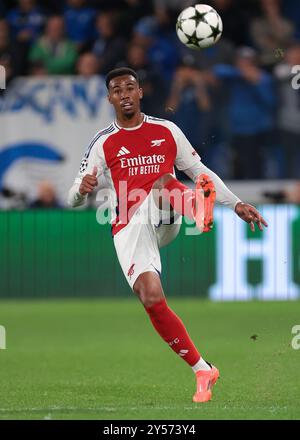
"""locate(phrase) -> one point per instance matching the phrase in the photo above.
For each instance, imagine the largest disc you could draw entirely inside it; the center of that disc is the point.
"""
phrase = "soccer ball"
(199, 26)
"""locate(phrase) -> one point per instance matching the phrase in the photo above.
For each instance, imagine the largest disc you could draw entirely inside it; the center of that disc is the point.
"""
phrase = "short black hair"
(121, 71)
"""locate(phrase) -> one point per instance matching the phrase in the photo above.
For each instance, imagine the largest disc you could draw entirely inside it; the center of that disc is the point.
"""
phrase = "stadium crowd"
(235, 101)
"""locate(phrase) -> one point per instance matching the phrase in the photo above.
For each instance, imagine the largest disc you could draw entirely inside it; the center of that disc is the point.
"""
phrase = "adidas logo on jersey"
(122, 152)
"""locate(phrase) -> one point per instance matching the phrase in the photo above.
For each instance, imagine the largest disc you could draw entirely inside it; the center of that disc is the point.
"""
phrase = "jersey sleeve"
(93, 157)
(187, 156)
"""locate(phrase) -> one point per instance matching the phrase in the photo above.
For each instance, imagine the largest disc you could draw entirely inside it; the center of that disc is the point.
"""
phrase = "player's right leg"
(205, 381)
(172, 330)
(196, 204)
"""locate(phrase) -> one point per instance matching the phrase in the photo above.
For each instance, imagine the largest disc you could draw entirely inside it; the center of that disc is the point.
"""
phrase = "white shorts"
(137, 244)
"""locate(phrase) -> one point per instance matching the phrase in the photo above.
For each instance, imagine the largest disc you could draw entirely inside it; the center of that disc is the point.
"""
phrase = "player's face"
(125, 94)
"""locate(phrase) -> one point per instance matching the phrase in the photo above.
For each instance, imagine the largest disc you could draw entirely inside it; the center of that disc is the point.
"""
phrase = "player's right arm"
(91, 167)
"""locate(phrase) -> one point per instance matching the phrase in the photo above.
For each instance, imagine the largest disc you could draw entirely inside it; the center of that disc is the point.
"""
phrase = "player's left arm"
(188, 161)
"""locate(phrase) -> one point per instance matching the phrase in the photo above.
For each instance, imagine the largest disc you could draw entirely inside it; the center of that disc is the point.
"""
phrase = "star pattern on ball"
(199, 17)
(193, 39)
(178, 24)
(215, 31)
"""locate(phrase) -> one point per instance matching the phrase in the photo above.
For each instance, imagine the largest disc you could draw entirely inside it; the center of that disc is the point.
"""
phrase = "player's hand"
(250, 215)
(89, 182)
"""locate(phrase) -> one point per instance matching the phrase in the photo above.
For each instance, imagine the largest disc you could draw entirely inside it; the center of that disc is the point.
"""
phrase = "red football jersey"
(132, 159)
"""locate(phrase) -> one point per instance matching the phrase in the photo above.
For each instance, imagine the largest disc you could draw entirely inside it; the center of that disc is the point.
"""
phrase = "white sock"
(200, 365)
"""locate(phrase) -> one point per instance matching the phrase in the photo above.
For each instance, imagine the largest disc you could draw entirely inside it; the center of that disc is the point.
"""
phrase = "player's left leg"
(172, 330)
(196, 204)
(166, 233)
(166, 221)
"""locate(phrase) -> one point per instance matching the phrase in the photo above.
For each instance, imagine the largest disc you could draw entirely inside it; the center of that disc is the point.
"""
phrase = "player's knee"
(148, 299)
(148, 295)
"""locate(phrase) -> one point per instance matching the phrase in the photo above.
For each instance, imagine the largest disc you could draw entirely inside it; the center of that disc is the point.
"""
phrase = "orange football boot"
(206, 379)
(204, 203)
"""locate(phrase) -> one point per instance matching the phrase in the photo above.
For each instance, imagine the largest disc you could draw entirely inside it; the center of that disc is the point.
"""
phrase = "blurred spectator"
(161, 52)
(9, 199)
(221, 53)
(13, 56)
(189, 103)
(46, 197)
(289, 110)
(271, 33)
(80, 22)
(285, 195)
(251, 104)
(109, 46)
(87, 65)
(26, 21)
(154, 92)
(57, 53)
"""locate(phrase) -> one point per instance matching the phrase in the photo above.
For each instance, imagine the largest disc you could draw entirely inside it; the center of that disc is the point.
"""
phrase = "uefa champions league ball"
(199, 26)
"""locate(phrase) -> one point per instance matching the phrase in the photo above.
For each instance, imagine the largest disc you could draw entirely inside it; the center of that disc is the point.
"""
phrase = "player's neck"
(132, 122)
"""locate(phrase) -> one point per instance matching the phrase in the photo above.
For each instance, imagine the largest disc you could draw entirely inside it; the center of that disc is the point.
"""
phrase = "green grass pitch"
(101, 359)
